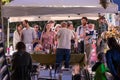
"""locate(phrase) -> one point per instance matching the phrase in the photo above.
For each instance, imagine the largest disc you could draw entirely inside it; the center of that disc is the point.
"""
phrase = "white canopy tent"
(52, 9)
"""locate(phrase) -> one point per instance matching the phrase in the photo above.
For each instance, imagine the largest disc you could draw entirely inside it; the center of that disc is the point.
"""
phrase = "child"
(100, 68)
(76, 72)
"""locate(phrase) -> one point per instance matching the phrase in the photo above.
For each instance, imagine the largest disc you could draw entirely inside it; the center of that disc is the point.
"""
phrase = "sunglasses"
(36, 27)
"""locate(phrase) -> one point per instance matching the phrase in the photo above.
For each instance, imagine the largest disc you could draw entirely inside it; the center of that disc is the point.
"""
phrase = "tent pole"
(3, 36)
(2, 24)
(8, 34)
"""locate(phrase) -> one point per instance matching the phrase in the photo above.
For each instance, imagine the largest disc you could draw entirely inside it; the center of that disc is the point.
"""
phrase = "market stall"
(50, 7)
(53, 10)
(40, 8)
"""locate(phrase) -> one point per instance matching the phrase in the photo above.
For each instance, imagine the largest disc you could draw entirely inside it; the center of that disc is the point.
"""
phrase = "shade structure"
(18, 8)
(54, 17)
(48, 7)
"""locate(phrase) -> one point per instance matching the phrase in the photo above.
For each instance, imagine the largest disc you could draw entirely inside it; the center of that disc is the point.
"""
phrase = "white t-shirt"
(64, 38)
(81, 30)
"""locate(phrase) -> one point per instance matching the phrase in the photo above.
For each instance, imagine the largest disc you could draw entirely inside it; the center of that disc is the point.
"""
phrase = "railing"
(4, 73)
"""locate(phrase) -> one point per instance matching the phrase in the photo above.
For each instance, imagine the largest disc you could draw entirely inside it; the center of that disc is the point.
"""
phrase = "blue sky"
(118, 2)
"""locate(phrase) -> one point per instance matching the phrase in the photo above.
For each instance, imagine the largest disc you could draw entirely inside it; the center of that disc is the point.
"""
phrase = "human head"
(36, 27)
(57, 27)
(91, 26)
(47, 27)
(112, 43)
(19, 27)
(20, 46)
(84, 21)
(101, 57)
(52, 23)
(70, 25)
(64, 24)
(101, 19)
(25, 23)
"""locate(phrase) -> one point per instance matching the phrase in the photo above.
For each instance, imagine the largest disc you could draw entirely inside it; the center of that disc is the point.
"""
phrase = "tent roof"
(48, 7)
(54, 3)
(53, 17)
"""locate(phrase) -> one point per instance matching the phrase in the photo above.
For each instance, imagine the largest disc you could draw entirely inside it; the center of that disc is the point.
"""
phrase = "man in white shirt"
(64, 37)
(81, 33)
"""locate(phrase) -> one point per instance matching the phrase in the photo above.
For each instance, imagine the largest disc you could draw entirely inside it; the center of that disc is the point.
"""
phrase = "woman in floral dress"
(47, 38)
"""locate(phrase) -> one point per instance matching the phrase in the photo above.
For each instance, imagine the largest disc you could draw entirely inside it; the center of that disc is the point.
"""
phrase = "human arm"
(13, 61)
(30, 63)
(41, 38)
(103, 68)
(78, 32)
(57, 36)
(34, 34)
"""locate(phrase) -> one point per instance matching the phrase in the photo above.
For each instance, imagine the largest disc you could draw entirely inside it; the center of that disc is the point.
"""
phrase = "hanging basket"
(104, 3)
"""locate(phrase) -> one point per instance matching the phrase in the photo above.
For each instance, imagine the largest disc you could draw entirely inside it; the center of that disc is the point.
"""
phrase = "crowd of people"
(46, 40)
(61, 38)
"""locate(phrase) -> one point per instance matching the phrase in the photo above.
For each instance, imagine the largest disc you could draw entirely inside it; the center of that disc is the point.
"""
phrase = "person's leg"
(88, 51)
(79, 47)
(59, 58)
(82, 46)
(67, 58)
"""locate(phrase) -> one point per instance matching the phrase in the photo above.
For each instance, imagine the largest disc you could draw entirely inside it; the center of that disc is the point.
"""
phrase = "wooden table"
(50, 59)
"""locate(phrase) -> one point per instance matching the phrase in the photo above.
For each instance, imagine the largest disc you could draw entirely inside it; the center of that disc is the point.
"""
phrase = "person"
(57, 28)
(76, 72)
(28, 36)
(47, 38)
(73, 41)
(103, 25)
(51, 23)
(88, 39)
(81, 33)
(99, 44)
(21, 63)
(100, 68)
(38, 33)
(17, 35)
(64, 37)
(113, 57)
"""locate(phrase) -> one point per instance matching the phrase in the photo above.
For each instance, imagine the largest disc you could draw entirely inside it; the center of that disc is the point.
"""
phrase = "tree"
(6, 1)
(3, 2)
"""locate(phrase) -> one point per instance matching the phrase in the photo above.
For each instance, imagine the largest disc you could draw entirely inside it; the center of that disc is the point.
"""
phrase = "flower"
(111, 33)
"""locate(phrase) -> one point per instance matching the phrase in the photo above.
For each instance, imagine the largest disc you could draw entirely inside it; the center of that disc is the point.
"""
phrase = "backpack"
(79, 30)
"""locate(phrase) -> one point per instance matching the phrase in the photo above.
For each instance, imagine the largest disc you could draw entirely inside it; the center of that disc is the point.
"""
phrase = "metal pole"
(8, 34)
